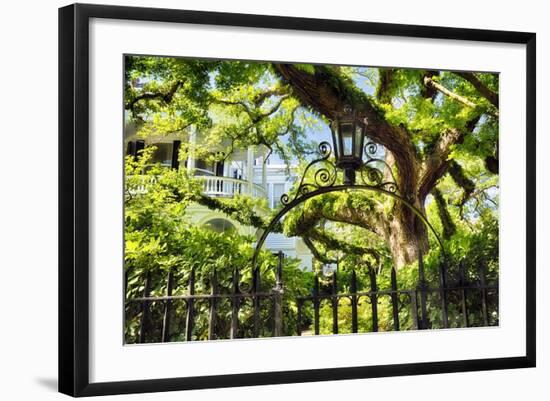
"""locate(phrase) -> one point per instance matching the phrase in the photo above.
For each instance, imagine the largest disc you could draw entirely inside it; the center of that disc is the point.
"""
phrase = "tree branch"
(277, 91)
(428, 92)
(328, 93)
(272, 110)
(235, 103)
(457, 174)
(315, 252)
(449, 227)
(487, 93)
(437, 162)
(363, 217)
(255, 113)
(235, 211)
(384, 84)
(336, 244)
(429, 82)
(165, 96)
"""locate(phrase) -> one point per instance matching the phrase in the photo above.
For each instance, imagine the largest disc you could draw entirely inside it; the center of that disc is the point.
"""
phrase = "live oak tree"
(439, 130)
(418, 129)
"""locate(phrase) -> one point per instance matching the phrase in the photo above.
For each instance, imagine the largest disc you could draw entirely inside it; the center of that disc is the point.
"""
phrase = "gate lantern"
(348, 136)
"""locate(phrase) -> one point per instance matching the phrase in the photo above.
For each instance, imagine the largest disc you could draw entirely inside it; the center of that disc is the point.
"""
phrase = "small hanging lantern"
(348, 136)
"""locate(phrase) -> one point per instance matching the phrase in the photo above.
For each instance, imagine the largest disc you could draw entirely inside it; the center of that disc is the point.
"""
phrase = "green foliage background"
(236, 104)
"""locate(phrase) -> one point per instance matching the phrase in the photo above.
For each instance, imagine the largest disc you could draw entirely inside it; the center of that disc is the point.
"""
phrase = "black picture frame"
(74, 198)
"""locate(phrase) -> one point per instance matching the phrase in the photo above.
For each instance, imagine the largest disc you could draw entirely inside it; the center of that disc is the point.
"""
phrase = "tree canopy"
(439, 130)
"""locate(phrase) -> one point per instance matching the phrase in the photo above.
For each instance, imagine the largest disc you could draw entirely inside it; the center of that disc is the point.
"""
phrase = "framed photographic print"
(250, 199)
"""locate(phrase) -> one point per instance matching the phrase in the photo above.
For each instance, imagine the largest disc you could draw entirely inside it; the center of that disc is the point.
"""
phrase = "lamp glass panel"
(346, 135)
(334, 130)
(358, 140)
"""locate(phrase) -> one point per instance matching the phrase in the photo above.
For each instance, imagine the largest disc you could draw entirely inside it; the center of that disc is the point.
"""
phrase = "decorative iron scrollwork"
(325, 176)
(370, 173)
(374, 173)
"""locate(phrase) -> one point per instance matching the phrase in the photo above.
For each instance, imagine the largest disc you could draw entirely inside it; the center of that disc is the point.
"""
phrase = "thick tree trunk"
(403, 244)
(406, 235)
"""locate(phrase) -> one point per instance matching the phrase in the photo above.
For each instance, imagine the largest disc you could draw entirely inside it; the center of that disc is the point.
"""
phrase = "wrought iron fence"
(457, 301)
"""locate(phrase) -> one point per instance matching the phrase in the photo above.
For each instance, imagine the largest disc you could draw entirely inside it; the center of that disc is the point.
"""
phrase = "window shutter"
(131, 148)
(175, 154)
(140, 145)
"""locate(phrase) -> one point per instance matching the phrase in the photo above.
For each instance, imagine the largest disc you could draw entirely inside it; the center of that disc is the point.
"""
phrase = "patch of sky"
(317, 130)
(365, 78)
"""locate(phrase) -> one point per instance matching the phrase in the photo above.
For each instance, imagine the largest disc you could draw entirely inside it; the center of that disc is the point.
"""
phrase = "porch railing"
(215, 186)
(229, 187)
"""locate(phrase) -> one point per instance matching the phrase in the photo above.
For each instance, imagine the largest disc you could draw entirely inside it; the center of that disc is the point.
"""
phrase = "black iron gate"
(473, 302)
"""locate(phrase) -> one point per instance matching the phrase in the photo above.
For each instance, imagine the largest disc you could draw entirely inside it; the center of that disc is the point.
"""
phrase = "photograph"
(277, 198)
(252, 199)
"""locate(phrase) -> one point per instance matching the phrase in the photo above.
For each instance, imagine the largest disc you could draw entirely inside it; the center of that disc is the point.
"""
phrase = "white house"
(245, 171)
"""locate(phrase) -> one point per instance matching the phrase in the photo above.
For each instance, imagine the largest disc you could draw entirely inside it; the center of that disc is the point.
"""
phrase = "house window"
(162, 154)
(203, 167)
(134, 148)
(165, 153)
(278, 191)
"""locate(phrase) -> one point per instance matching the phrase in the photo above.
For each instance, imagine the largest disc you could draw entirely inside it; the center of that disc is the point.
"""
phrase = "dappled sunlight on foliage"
(436, 135)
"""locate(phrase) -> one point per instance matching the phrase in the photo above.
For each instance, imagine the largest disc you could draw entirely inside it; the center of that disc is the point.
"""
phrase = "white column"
(264, 173)
(250, 167)
(226, 165)
(190, 157)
